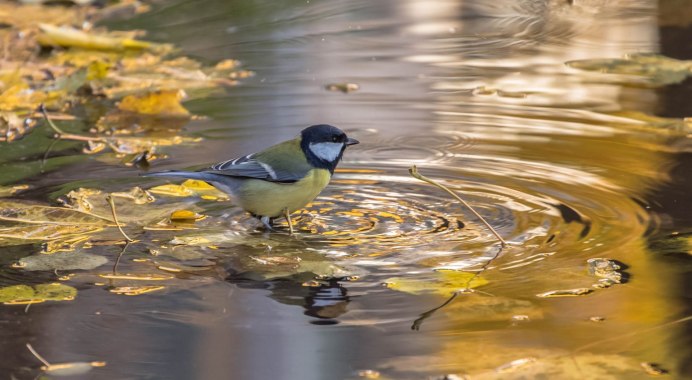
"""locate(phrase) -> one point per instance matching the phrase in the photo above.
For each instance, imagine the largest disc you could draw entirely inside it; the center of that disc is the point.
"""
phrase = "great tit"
(280, 179)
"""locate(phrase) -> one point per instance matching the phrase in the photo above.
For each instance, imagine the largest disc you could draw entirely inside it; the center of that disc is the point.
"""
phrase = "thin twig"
(419, 322)
(52, 125)
(45, 155)
(117, 260)
(39, 357)
(67, 136)
(414, 172)
(109, 198)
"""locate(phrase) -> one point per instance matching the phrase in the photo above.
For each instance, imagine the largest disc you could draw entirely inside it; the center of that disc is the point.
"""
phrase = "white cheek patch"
(327, 151)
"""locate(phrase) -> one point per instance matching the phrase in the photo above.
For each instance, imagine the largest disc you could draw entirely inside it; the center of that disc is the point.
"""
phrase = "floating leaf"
(445, 283)
(24, 294)
(162, 103)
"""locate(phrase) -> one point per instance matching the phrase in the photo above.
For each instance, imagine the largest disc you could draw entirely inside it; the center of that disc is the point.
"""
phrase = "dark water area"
(567, 165)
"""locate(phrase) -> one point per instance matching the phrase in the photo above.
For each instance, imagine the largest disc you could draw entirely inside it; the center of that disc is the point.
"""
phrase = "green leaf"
(24, 294)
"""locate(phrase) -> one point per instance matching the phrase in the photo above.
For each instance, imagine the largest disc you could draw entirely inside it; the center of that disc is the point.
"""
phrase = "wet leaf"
(24, 294)
(444, 283)
(13, 127)
(137, 276)
(24, 234)
(62, 261)
(565, 293)
(581, 367)
(190, 188)
(134, 206)
(71, 369)
(26, 212)
(69, 37)
(653, 369)
(6, 191)
(16, 292)
(135, 290)
(369, 374)
(185, 216)
(660, 70)
(516, 364)
(162, 103)
(343, 87)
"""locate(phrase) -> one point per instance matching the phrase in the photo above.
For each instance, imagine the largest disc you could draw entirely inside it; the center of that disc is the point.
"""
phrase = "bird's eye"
(334, 138)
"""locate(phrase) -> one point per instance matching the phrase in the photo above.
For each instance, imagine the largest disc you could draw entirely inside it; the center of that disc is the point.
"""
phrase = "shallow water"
(561, 162)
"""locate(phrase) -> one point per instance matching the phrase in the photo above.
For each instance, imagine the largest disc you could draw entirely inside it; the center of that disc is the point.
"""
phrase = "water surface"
(478, 97)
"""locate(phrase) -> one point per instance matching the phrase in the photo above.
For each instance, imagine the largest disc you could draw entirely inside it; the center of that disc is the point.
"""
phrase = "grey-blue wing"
(250, 167)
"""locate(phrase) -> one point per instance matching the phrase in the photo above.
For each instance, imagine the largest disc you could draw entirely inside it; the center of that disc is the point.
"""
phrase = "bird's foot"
(267, 222)
(288, 219)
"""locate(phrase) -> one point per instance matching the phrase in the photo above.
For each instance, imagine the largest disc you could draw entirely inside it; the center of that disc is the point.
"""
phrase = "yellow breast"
(264, 198)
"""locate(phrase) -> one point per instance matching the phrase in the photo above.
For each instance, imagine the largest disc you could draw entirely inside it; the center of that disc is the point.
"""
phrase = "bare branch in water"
(115, 218)
(60, 134)
(419, 322)
(413, 170)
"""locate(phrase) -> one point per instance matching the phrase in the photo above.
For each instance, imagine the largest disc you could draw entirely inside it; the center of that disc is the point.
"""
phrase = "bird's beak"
(350, 141)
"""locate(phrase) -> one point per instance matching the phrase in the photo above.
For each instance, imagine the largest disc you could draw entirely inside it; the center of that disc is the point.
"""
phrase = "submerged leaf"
(446, 283)
(658, 69)
(62, 261)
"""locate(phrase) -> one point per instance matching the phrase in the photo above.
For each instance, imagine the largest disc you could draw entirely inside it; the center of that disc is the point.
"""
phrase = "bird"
(278, 180)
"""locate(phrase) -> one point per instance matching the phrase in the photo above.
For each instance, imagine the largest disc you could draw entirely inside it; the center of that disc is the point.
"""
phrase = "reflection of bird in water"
(325, 301)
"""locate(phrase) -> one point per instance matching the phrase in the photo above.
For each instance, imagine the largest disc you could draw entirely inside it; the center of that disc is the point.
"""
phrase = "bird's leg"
(267, 221)
(288, 219)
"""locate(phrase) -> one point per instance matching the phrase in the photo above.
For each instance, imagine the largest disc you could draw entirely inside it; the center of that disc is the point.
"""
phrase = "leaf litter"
(131, 89)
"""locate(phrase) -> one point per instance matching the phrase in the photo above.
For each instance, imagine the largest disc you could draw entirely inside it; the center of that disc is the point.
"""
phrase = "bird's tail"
(180, 174)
